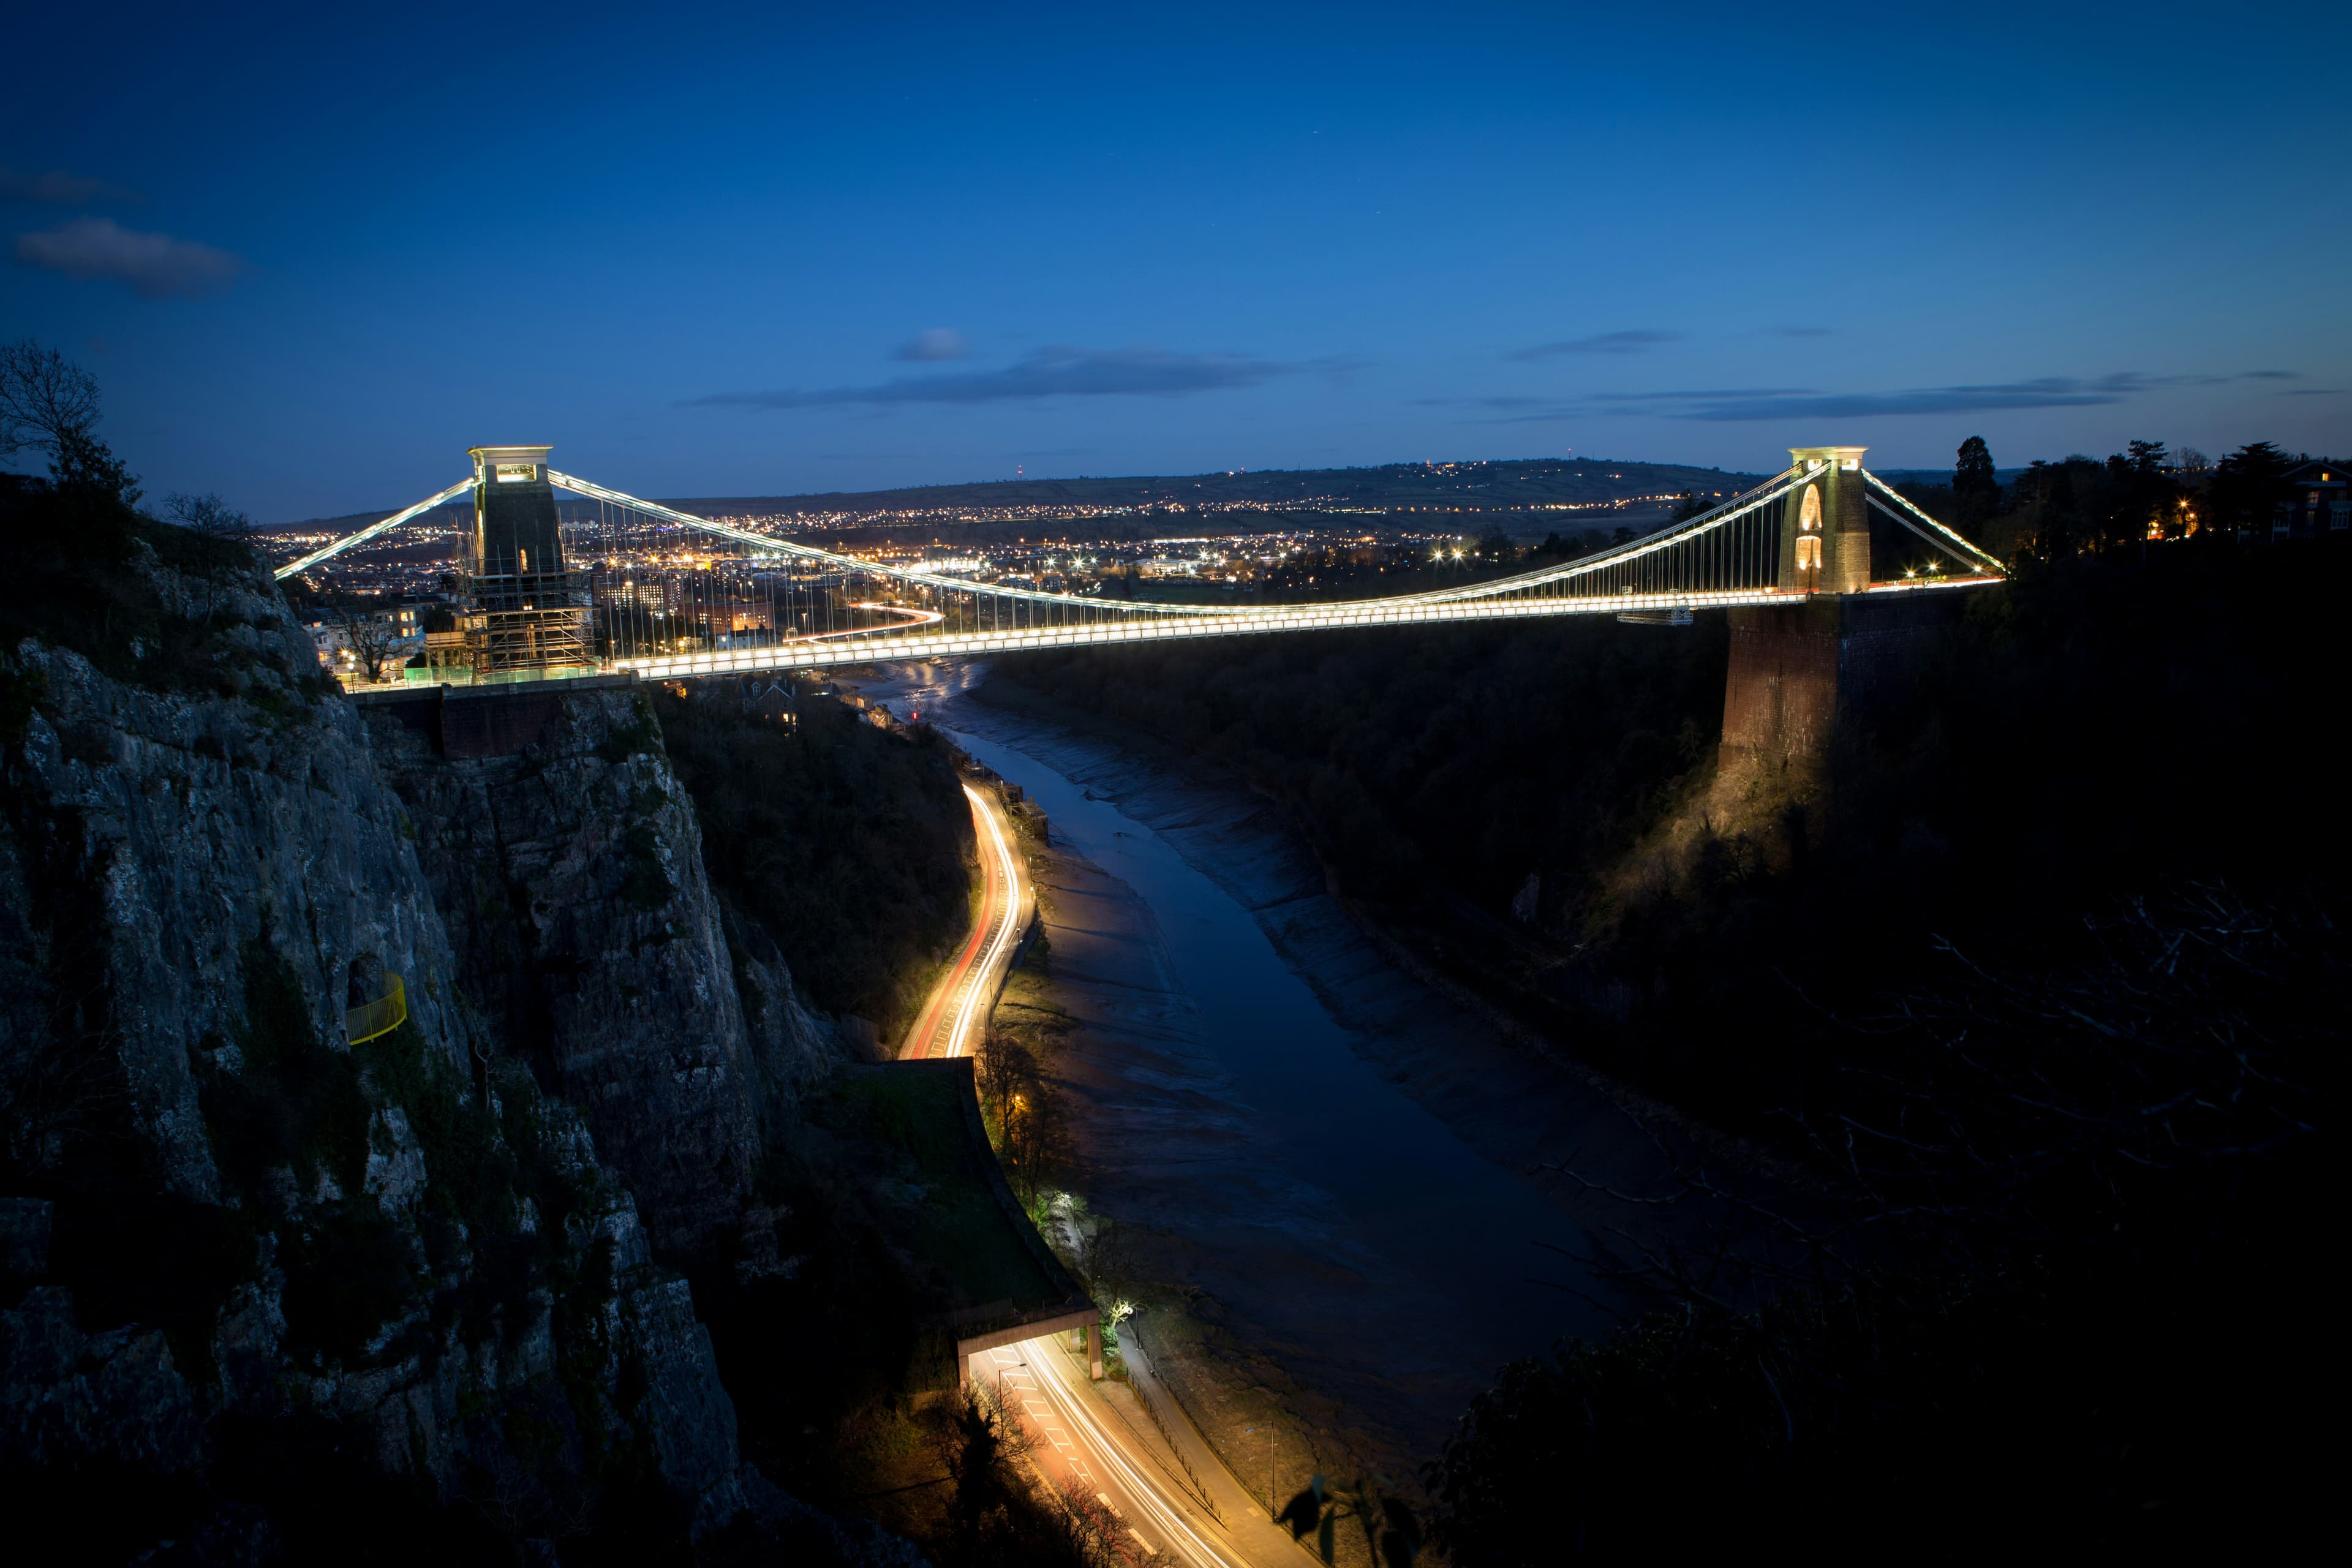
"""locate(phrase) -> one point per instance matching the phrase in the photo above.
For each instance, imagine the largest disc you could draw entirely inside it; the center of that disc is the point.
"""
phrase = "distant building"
(2318, 502)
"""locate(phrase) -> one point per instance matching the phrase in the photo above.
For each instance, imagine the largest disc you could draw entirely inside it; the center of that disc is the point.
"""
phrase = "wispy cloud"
(1055, 370)
(1628, 343)
(1737, 404)
(158, 266)
(937, 344)
(2044, 392)
(1509, 402)
(59, 189)
(1734, 405)
(2050, 392)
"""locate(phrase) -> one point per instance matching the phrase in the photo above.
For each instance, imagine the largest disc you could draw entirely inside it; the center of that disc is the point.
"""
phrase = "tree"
(1976, 487)
(209, 516)
(2248, 486)
(50, 404)
(44, 399)
(371, 637)
(1392, 1530)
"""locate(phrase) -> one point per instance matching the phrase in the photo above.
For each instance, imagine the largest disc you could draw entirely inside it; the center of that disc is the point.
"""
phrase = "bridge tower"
(1795, 670)
(525, 611)
(1825, 538)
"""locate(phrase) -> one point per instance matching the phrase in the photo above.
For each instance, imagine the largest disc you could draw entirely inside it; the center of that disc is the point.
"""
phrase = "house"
(2317, 502)
(770, 701)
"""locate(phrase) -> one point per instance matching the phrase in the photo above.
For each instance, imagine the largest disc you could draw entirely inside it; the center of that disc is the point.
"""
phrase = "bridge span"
(540, 599)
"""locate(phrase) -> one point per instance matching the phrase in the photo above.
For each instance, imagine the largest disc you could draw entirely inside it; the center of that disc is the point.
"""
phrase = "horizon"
(925, 249)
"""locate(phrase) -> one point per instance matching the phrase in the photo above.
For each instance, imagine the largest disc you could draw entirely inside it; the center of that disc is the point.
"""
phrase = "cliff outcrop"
(571, 874)
(263, 1284)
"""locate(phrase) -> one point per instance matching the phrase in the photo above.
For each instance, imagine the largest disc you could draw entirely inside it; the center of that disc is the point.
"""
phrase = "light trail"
(1164, 1513)
(915, 617)
(959, 1037)
(991, 934)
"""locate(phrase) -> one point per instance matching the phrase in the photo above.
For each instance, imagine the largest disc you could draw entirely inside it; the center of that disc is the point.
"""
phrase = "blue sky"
(311, 257)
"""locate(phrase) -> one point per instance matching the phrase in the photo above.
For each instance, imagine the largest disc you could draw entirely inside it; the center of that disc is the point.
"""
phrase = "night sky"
(311, 257)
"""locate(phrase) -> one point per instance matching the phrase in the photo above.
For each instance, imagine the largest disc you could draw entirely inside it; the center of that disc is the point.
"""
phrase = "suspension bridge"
(542, 598)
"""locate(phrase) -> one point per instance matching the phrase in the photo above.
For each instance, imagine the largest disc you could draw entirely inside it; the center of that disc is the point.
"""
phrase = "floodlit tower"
(1825, 542)
(526, 610)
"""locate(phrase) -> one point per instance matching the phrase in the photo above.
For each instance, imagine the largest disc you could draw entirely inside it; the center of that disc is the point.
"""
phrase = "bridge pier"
(1796, 674)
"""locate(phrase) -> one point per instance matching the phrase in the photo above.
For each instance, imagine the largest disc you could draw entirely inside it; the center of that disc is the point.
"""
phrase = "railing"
(381, 1017)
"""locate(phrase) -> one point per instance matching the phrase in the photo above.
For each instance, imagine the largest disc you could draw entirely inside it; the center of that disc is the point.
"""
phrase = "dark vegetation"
(849, 845)
(2066, 1297)
(1430, 769)
(2036, 984)
(874, 1223)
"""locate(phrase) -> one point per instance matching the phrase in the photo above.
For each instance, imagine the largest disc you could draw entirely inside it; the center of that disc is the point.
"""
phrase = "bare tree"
(370, 636)
(47, 402)
(209, 515)
(50, 404)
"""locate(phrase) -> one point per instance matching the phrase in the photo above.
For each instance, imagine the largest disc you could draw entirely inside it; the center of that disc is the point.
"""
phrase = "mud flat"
(1328, 1174)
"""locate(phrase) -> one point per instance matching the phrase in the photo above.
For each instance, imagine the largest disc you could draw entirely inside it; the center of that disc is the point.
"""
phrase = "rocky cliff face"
(570, 873)
(225, 1224)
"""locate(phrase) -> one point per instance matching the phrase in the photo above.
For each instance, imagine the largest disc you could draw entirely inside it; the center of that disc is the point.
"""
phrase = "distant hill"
(1516, 484)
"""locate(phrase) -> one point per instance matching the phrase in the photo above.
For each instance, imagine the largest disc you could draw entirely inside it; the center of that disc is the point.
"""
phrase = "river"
(1347, 1168)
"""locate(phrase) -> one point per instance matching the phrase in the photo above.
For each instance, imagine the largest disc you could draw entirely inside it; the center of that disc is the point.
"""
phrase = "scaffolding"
(522, 624)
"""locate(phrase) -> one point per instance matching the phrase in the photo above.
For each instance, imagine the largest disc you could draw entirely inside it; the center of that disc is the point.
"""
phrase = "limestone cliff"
(570, 873)
(250, 1267)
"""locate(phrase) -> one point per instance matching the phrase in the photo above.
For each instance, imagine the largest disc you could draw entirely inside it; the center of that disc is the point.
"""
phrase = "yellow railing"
(381, 1017)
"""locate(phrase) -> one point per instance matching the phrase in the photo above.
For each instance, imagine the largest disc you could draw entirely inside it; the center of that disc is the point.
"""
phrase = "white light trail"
(1163, 1512)
(959, 1036)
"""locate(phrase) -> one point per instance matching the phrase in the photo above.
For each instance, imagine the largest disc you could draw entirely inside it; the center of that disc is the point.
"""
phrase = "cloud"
(1509, 402)
(1736, 405)
(155, 264)
(1057, 371)
(937, 343)
(2314, 392)
(2051, 392)
(59, 189)
(1631, 342)
(1800, 332)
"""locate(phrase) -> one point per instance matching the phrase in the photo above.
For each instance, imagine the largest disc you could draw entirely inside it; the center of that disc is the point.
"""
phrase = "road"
(1167, 1490)
(956, 1015)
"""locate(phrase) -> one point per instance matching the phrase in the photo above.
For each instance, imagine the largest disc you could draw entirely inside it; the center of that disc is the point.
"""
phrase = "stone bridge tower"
(1797, 669)
(526, 610)
(1825, 537)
